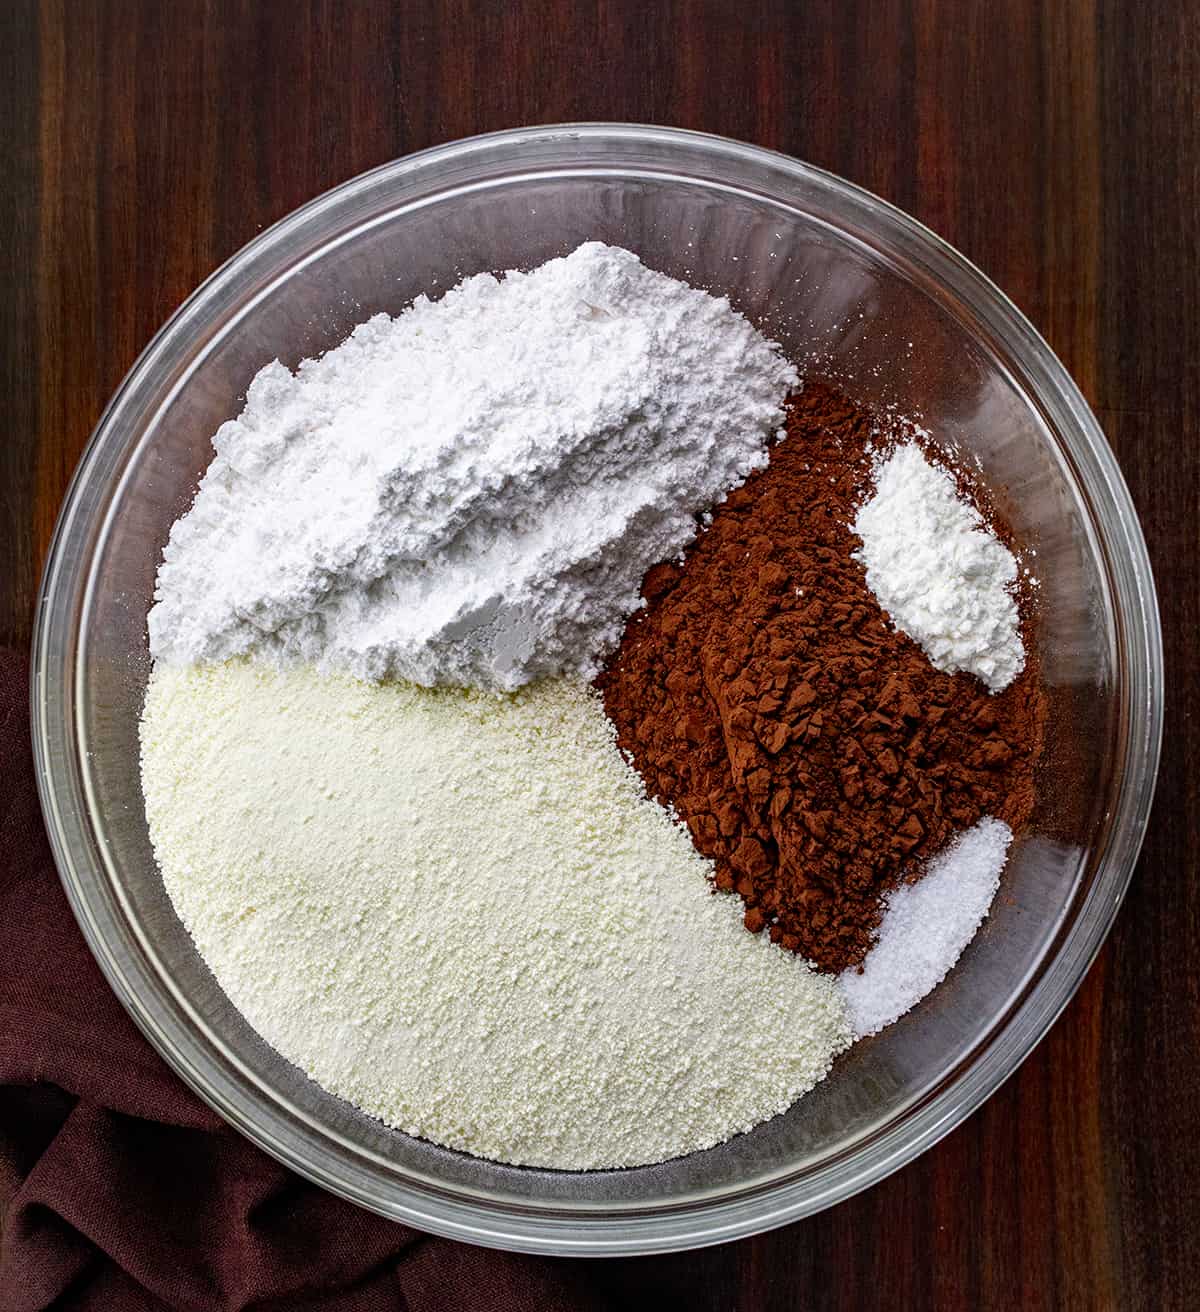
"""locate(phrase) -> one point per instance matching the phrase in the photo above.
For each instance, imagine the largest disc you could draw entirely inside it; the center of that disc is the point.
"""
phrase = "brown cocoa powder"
(814, 753)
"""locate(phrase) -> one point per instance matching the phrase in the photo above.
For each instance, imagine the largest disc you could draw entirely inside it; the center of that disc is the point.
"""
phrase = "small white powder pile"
(932, 564)
(461, 913)
(471, 493)
(925, 928)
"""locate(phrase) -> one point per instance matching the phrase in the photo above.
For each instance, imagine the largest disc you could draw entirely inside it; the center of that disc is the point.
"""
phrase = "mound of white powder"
(460, 912)
(926, 926)
(471, 493)
(942, 576)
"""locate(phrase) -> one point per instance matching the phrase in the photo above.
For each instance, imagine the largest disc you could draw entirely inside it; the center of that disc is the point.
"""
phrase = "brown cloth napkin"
(122, 1191)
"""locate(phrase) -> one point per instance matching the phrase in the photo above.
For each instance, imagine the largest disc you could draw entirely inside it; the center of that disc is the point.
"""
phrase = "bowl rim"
(562, 1229)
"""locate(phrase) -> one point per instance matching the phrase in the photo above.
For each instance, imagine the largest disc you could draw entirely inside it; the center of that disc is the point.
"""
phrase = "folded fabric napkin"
(120, 1190)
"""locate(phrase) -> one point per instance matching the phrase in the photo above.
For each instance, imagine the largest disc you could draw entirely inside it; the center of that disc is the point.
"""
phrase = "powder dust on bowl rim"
(436, 903)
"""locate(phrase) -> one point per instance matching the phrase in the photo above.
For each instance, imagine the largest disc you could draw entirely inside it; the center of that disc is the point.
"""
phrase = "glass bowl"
(854, 290)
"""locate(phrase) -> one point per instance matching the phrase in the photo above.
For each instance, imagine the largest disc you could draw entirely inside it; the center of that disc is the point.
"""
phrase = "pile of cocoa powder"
(814, 752)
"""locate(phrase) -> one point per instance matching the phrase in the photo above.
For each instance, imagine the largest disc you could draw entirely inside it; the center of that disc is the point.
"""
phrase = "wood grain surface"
(1054, 143)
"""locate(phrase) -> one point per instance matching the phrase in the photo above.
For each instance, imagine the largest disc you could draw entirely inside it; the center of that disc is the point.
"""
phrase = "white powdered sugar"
(471, 493)
(925, 928)
(945, 580)
(460, 912)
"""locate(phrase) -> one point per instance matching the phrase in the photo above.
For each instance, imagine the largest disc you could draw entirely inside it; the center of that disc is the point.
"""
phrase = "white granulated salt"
(472, 492)
(932, 564)
(925, 928)
(460, 912)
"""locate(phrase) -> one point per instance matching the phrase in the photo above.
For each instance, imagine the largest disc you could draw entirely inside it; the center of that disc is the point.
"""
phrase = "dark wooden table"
(1056, 144)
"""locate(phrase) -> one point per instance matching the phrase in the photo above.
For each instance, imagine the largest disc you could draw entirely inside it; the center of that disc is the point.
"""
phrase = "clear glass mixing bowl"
(854, 289)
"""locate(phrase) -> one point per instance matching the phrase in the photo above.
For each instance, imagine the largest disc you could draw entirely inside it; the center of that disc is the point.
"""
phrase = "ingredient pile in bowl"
(569, 728)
